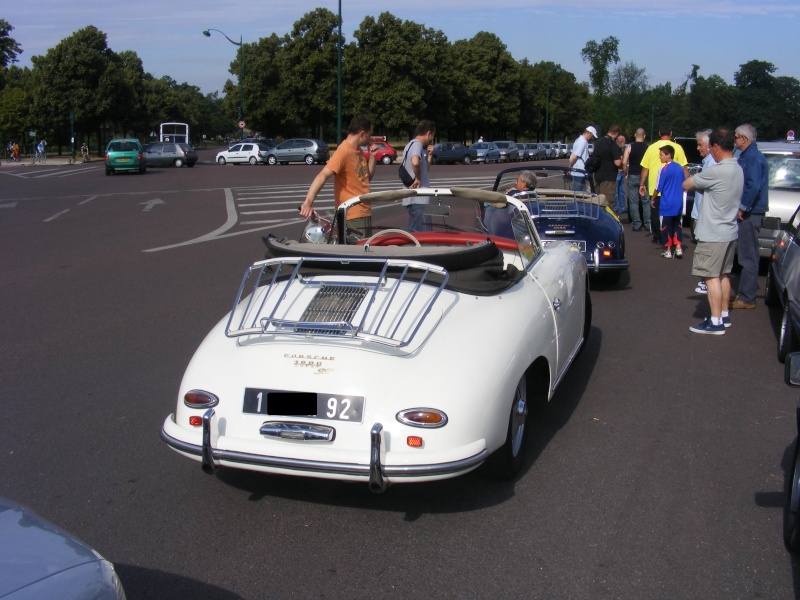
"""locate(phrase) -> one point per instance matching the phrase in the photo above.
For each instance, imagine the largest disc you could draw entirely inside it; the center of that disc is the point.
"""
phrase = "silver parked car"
(508, 151)
(307, 150)
(485, 152)
(783, 159)
(40, 560)
(169, 154)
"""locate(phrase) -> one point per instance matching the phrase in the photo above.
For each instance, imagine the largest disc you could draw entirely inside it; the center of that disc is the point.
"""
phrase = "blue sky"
(664, 38)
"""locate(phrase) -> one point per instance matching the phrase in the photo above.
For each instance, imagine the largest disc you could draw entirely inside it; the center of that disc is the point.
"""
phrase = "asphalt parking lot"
(657, 471)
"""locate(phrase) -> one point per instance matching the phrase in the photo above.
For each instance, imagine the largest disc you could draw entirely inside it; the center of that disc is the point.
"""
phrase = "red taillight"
(195, 421)
(139, 156)
(259, 154)
(106, 155)
(200, 399)
(414, 441)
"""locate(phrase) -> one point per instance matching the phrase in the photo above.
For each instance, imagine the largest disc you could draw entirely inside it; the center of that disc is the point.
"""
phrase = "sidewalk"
(26, 161)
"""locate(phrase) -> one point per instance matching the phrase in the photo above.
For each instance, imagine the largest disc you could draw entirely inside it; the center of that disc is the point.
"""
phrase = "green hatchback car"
(125, 155)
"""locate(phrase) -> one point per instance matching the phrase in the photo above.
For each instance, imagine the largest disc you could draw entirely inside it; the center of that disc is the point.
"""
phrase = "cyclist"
(85, 152)
(40, 150)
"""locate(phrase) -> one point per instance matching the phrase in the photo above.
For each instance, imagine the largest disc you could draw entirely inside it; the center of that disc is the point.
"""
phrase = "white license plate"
(579, 244)
(306, 405)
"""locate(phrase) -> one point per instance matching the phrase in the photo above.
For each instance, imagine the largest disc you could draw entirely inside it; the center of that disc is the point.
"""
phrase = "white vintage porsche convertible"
(385, 355)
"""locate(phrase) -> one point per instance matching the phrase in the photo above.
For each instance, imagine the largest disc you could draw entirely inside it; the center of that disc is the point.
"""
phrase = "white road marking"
(55, 216)
(148, 206)
(280, 200)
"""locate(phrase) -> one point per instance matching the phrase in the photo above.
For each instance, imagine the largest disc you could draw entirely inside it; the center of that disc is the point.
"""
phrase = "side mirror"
(791, 371)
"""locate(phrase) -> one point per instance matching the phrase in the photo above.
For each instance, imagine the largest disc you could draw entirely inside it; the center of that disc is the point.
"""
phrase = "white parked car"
(385, 355)
(248, 152)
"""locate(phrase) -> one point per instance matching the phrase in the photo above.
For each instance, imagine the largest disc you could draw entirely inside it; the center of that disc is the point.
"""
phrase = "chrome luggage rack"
(563, 204)
(383, 300)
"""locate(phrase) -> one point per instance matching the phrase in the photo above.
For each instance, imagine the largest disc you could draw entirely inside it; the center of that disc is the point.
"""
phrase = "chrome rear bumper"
(377, 474)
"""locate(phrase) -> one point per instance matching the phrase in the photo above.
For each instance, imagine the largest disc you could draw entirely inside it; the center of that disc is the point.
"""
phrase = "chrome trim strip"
(289, 430)
(352, 469)
(377, 483)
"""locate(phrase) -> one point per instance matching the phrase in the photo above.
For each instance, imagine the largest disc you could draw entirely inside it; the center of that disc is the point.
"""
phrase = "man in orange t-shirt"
(351, 174)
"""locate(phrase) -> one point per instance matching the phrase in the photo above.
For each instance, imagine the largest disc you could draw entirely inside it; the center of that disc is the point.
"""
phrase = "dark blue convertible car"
(581, 218)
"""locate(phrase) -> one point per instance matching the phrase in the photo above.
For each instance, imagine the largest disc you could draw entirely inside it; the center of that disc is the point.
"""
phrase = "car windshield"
(456, 217)
(784, 171)
(123, 147)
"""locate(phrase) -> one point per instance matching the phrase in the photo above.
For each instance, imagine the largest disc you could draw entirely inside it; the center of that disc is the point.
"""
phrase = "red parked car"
(386, 153)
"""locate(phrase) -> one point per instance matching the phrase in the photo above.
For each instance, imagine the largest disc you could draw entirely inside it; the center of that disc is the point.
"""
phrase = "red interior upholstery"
(436, 238)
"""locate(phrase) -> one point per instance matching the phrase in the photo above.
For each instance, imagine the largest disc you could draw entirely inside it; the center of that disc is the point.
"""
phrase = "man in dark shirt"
(752, 208)
(638, 206)
(605, 178)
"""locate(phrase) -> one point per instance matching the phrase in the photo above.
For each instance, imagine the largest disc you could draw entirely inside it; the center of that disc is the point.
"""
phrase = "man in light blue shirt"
(417, 160)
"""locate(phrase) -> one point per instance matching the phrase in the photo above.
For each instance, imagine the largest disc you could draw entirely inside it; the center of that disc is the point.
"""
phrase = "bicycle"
(39, 157)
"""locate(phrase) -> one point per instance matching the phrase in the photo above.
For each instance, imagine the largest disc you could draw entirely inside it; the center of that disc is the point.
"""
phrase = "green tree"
(756, 101)
(600, 56)
(307, 67)
(9, 48)
(15, 101)
(73, 76)
(399, 72)
(627, 85)
(264, 96)
(487, 91)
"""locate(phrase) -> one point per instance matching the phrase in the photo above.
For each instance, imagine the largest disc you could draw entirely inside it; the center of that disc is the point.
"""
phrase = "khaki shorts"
(713, 259)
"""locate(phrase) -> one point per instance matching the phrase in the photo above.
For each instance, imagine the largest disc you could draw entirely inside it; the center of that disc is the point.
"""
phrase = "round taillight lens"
(428, 418)
(200, 399)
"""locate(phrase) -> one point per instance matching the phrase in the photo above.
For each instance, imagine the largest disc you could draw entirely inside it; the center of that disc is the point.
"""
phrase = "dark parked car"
(484, 152)
(450, 152)
(791, 506)
(305, 150)
(125, 155)
(508, 151)
(577, 218)
(168, 154)
(783, 285)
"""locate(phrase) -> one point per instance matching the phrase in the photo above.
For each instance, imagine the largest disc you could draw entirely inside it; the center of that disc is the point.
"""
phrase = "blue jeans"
(638, 218)
(417, 220)
(579, 184)
(620, 205)
(749, 256)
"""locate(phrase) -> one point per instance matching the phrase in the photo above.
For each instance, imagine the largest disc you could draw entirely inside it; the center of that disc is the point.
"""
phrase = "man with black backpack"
(609, 155)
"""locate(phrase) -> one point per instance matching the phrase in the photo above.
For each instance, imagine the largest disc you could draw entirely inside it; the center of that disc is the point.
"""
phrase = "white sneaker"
(678, 252)
(666, 254)
(701, 288)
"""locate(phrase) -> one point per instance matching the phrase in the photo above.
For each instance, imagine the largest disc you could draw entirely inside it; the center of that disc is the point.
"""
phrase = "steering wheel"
(394, 231)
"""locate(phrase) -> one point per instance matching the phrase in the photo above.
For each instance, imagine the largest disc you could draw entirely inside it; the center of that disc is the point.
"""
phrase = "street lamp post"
(207, 33)
(339, 79)
(547, 105)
